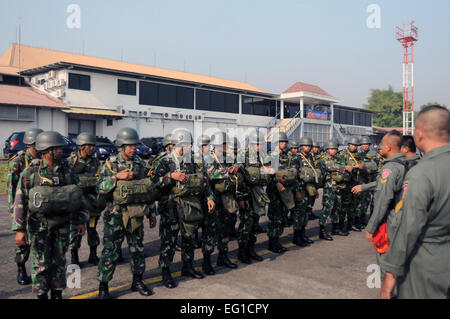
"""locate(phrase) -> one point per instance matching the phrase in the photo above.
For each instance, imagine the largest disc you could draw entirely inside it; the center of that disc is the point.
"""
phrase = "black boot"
(341, 229)
(351, 225)
(189, 271)
(22, 277)
(75, 260)
(223, 260)
(305, 238)
(252, 253)
(336, 230)
(138, 285)
(43, 296)
(275, 246)
(243, 255)
(56, 294)
(93, 259)
(260, 229)
(358, 223)
(298, 239)
(103, 291)
(233, 233)
(120, 259)
(206, 265)
(167, 278)
(323, 234)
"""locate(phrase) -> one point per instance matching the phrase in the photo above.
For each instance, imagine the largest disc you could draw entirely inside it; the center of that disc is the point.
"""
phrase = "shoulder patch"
(386, 172)
(35, 161)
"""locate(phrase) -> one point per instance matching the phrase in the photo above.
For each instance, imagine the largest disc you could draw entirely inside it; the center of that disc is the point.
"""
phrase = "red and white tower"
(407, 35)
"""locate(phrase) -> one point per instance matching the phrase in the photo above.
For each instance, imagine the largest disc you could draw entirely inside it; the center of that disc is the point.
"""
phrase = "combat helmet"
(332, 144)
(181, 137)
(127, 136)
(167, 140)
(86, 139)
(354, 140)
(30, 136)
(219, 138)
(49, 139)
(306, 141)
(280, 137)
(365, 140)
(203, 140)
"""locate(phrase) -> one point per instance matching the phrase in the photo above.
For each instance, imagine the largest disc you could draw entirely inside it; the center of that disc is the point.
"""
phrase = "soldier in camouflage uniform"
(257, 175)
(279, 191)
(317, 156)
(16, 165)
(351, 157)
(48, 227)
(224, 177)
(180, 208)
(85, 166)
(233, 149)
(334, 184)
(306, 191)
(209, 223)
(367, 174)
(122, 220)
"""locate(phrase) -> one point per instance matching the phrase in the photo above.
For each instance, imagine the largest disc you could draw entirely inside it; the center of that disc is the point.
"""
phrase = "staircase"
(287, 126)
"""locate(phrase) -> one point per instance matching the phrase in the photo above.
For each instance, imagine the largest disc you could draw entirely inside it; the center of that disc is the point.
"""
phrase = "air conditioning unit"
(47, 76)
(61, 82)
(46, 86)
(60, 93)
(52, 74)
(189, 117)
(199, 118)
(34, 81)
(166, 115)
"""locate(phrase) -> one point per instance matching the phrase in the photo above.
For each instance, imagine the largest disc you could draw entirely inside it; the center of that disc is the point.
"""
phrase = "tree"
(388, 107)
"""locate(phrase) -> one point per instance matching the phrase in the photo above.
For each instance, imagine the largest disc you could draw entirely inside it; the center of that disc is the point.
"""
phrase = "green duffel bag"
(55, 200)
(139, 191)
(337, 177)
(287, 198)
(88, 182)
(307, 175)
(191, 209)
(347, 176)
(311, 189)
(194, 186)
(370, 167)
(256, 176)
(286, 176)
(227, 185)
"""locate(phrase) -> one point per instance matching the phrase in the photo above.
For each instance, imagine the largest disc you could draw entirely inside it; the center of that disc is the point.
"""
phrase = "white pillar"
(301, 108)
(281, 109)
(331, 119)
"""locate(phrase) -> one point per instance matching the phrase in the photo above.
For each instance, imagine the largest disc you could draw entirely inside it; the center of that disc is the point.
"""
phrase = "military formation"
(53, 202)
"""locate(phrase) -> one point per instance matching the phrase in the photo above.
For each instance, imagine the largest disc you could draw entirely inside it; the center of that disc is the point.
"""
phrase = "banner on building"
(317, 115)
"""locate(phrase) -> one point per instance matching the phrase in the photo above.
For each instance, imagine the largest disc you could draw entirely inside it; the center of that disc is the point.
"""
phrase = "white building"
(101, 96)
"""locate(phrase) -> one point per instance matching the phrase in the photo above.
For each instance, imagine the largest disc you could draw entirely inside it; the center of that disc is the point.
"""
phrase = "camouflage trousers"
(114, 234)
(225, 221)
(331, 206)
(93, 238)
(301, 211)
(170, 224)
(209, 233)
(349, 202)
(48, 257)
(248, 222)
(363, 199)
(22, 253)
(275, 213)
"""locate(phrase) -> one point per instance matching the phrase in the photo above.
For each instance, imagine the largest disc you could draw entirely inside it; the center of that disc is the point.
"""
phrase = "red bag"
(380, 239)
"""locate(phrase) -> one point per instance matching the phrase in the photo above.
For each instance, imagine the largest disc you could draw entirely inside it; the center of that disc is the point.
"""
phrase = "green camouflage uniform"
(217, 173)
(380, 161)
(350, 200)
(86, 167)
(178, 214)
(276, 207)
(114, 228)
(303, 208)
(48, 244)
(332, 191)
(209, 223)
(364, 198)
(16, 166)
(256, 201)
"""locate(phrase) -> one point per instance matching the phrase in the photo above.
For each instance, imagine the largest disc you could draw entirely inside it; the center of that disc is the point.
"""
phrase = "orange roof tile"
(33, 57)
(23, 95)
(305, 87)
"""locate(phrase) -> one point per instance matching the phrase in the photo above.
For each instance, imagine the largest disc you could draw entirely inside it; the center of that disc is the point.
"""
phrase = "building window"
(17, 113)
(79, 82)
(80, 126)
(109, 122)
(217, 101)
(258, 106)
(126, 87)
(166, 95)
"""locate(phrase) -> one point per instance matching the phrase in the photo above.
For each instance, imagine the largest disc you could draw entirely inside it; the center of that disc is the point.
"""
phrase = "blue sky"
(270, 44)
